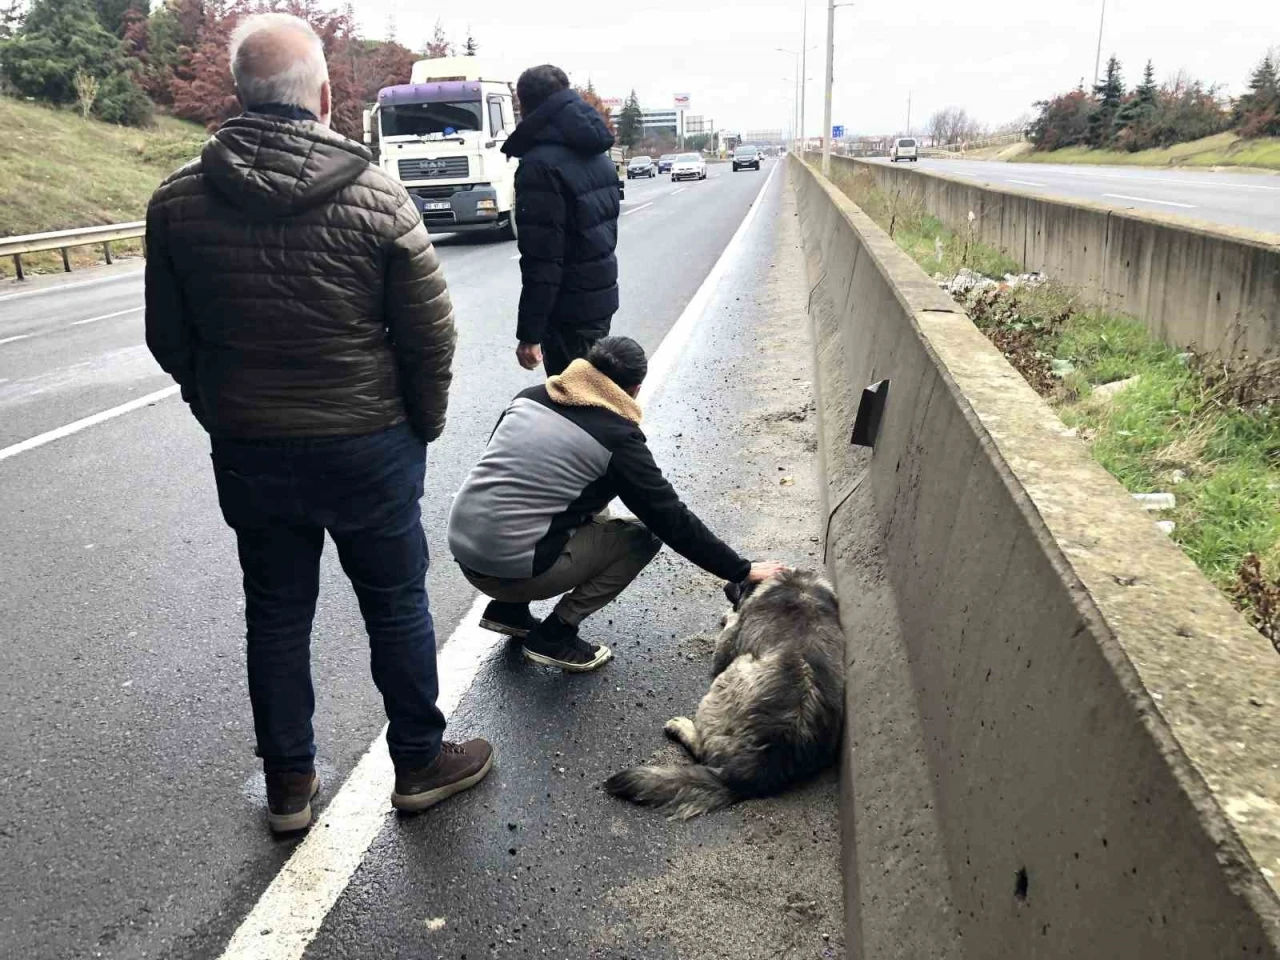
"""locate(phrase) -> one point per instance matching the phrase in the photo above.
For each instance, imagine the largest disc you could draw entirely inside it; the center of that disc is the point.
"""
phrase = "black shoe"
(458, 767)
(553, 643)
(511, 619)
(289, 800)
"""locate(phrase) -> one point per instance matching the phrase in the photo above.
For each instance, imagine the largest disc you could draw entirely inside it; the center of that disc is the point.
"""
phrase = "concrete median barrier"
(1061, 740)
(1203, 285)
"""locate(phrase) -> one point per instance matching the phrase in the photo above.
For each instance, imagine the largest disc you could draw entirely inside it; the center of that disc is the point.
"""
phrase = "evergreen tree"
(10, 17)
(1148, 92)
(1108, 96)
(630, 122)
(1257, 112)
(472, 48)
(59, 38)
(111, 13)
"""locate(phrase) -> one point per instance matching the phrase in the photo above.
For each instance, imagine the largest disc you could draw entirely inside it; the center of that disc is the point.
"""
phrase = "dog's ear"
(738, 592)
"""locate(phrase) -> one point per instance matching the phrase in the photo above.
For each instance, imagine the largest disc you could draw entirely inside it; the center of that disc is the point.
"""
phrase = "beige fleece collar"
(582, 385)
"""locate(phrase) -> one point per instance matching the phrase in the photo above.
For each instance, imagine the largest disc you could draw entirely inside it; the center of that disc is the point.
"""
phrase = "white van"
(904, 148)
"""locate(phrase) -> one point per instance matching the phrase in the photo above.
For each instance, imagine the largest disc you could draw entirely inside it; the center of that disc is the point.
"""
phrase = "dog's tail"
(693, 790)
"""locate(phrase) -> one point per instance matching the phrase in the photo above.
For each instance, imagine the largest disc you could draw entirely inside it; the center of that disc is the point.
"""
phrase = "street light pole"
(1097, 59)
(804, 69)
(826, 99)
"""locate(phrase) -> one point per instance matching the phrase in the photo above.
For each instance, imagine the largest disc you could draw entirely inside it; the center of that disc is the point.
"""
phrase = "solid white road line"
(107, 316)
(1025, 183)
(1167, 203)
(289, 914)
(21, 336)
(70, 428)
(58, 288)
(627, 213)
(285, 920)
(1139, 178)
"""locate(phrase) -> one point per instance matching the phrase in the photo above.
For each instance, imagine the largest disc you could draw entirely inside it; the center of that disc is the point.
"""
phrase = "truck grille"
(422, 169)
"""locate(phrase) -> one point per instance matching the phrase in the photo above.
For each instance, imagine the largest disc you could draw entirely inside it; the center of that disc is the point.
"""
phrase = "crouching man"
(526, 524)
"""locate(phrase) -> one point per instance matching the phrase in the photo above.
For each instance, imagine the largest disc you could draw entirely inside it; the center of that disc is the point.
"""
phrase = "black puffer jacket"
(292, 290)
(567, 204)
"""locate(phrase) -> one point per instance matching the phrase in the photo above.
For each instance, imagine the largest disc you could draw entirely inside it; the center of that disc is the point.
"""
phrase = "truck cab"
(441, 135)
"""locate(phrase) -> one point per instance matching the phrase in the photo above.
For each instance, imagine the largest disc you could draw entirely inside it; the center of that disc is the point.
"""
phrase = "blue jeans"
(280, 496)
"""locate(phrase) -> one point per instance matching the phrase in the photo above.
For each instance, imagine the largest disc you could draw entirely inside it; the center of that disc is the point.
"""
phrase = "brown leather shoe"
(460, 766)
(289, 800)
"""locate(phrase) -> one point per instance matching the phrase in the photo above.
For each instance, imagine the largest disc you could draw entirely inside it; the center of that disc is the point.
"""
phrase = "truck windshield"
(425, 119)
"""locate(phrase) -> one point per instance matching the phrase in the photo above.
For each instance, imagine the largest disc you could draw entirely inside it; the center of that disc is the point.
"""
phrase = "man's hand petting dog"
(762, 570)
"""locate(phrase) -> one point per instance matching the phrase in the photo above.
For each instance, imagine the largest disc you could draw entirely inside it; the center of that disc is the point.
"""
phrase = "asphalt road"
(130, 801)
(1249, 200)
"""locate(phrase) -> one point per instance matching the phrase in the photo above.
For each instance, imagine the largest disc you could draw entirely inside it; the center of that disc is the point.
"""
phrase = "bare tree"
(953, 125)
(86, 91)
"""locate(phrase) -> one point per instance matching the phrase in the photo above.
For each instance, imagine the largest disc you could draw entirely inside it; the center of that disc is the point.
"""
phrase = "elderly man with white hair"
(293, 294)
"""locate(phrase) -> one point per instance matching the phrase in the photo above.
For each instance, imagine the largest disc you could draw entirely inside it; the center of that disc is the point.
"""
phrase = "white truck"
(441, 135)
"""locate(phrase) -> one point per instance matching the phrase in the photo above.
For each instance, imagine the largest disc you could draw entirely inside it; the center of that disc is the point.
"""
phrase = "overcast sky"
(992, 57)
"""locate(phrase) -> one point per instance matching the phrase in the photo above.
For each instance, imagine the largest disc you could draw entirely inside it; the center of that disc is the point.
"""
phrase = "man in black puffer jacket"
(293, 294)
(567, 204)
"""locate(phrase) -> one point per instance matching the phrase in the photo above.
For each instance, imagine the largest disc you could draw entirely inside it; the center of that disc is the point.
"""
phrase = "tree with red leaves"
(588, 93)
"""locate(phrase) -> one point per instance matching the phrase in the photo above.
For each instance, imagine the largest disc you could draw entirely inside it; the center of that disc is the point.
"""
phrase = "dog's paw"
(680, 729)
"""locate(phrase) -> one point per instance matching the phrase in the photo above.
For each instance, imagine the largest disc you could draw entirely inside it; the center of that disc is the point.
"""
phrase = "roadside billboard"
(681, 101)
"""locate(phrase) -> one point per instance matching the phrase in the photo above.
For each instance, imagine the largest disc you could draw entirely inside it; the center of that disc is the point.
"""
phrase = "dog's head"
(737, 593)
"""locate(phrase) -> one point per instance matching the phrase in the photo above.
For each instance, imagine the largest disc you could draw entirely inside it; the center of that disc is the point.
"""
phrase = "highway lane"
(129, 797)
(1250, 200)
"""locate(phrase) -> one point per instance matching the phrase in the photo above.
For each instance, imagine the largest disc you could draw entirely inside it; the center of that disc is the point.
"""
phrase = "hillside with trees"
(121, 61)
(1151, 115)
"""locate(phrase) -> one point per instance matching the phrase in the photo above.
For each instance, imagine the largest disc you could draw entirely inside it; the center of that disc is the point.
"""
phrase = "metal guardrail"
(63, 240)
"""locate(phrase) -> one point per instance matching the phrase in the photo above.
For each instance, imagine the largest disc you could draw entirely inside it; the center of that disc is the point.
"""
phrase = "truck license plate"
(436, 205)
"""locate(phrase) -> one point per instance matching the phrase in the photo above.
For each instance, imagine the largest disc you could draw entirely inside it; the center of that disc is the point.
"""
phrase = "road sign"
(837, 133)
(682, 101)
(613, 103)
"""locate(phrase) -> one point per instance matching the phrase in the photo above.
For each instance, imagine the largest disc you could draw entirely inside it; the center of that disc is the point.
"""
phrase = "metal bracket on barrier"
(866, 425)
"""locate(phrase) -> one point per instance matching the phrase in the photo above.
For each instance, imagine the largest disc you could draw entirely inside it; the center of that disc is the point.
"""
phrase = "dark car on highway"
(665, 161)
(641, 167)
(744, 157)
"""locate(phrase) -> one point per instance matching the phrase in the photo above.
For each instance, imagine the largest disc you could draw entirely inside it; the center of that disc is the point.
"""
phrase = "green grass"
(1181, 427)
(1221, 150)
(58, 171)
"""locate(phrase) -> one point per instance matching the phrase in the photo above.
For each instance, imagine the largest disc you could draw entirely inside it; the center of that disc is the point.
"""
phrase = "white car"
(688, 166)
(904, 148)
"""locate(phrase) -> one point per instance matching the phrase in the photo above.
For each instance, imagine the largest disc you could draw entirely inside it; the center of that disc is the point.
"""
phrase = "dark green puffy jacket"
(292, 290)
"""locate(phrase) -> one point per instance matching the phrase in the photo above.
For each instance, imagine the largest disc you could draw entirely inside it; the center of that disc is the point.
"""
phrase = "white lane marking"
(1025, 183)
(1167, 203)
(677, 337)
(21, 336)
(627, 213)
(290, 912)
(677, 190)
(66, 431)
(1139, 178)
(107, 316)
(58, 288)
(516, 257)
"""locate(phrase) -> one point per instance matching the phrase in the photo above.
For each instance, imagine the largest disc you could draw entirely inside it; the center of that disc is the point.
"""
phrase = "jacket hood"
(582, 385)
(276, 167)
(564, 118)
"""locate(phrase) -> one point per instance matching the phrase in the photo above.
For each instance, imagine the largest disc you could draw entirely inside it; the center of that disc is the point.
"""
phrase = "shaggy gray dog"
(774, 711)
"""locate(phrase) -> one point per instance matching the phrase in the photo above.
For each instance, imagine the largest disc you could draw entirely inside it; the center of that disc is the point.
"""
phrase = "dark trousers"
(280, 496)
(561, 345)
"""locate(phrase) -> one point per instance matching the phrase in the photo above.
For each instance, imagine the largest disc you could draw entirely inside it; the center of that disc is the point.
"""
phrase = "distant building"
(659, 123)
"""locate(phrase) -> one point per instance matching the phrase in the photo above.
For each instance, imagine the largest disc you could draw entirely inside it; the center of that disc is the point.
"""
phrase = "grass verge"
(58, 172)
(1221, 150)
(1158, 419)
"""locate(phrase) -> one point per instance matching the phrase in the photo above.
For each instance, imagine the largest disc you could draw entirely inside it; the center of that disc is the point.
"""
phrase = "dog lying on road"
(774, 711)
